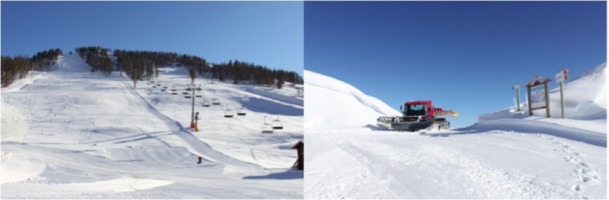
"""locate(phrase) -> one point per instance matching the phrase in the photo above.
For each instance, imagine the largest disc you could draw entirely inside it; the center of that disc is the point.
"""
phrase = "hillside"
(506, 154)
(73, 133)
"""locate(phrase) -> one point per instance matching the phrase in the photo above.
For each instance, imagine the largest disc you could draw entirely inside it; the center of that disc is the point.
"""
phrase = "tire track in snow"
(344, 180)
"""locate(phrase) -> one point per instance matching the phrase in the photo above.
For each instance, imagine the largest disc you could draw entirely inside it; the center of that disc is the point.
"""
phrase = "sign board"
(562, 76)
(538, 96)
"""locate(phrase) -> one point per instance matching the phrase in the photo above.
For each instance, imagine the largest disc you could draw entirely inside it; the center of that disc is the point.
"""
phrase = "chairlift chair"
(205, 103)
(241, 111)
(228, 113)
(215, 101)
(267, 128)
(276, 124)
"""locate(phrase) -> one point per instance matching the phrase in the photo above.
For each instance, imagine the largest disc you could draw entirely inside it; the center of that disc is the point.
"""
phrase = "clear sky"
(464, 56)
(265, 33)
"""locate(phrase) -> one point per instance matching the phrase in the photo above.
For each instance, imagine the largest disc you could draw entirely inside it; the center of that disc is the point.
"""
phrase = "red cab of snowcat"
(427, 104)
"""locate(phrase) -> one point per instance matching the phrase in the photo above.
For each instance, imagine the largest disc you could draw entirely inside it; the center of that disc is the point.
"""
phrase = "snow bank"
(14, 126)
(18, 167)
(18, 84)
(337, 103)
(585, 112)
(585, 97)
(536, 127)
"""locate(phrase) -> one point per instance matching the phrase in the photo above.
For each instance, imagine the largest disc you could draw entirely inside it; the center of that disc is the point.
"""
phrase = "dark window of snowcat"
(418, 109)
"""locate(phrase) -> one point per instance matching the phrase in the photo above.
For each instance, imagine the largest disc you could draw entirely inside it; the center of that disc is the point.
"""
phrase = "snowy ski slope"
(506, 154)
(71, 133)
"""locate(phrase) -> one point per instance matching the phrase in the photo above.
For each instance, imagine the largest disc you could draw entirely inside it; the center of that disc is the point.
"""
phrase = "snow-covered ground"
(71, 133)
(506, 154)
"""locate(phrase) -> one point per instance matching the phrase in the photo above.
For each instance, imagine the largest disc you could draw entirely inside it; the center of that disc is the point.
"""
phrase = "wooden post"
(529, 100)
(537, 81)
(562, 103)
(518, 98)
(299, 164)
(547, 99)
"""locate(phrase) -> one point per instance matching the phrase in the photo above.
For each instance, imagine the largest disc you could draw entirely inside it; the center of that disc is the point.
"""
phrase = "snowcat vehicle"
(417, 115)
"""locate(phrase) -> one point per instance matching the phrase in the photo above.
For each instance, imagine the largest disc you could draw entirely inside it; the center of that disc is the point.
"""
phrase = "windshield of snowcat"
(415, 109)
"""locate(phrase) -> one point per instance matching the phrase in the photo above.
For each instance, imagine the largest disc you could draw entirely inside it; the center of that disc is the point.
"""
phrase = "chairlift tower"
(193, 88)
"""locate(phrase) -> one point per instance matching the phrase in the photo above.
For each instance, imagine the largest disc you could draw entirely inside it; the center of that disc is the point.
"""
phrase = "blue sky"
(464, 56)
(265, 33)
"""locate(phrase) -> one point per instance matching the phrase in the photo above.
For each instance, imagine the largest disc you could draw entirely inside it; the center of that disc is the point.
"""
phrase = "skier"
(200, 159)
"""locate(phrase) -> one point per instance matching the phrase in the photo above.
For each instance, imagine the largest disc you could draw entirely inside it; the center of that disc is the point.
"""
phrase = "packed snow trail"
(457, 166)
(88, 135)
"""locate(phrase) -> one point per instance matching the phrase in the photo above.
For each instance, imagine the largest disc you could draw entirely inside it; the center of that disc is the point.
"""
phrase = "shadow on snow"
(289, 174)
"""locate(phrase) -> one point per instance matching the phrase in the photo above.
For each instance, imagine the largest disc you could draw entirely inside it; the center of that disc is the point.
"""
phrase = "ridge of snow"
(585, 112)
(348, 102)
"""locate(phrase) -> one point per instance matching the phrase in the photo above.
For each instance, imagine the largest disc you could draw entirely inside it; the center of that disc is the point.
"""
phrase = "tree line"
(249, 73)
(140, 65)
(19, 66)
(143, 65)
(98, 58)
